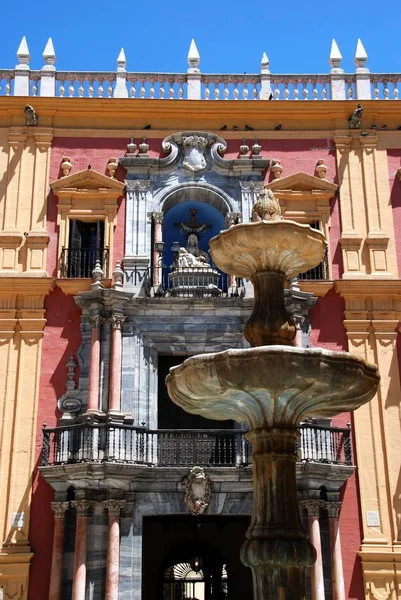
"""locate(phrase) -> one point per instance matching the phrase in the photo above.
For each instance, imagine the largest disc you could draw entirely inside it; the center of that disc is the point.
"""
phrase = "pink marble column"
(113, 548)
(298, 331)
(94, 364)
(56, 576)
(337, 574)
(116, 321)
(81, 543)
(316, 571)
(157, 237)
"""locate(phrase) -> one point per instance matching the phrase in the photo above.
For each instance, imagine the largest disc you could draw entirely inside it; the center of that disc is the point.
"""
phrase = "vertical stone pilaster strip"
(81, 544)
(337, 573)
(312, 507)
(116, 321)
(56, 576)
(94, 364)
(113, 508)
(157, 237)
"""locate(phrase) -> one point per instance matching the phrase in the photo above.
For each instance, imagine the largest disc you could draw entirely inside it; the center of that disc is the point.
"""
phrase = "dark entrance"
(184, 555)
(171, 416)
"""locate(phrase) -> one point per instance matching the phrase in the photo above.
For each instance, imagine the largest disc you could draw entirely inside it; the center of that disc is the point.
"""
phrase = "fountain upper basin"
(272, 386)
(286, 246)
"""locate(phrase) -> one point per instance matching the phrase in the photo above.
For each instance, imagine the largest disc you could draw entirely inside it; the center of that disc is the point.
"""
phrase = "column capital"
(113, 507)
(59, 509)
(96, 321)
(333, 509)
(311, 506)
(158, 217)
(83, 507)
(116, 321)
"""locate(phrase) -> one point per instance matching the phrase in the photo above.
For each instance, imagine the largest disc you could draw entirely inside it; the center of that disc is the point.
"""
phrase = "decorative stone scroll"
(83, 507)
(59, 509)
(116, 321)
(113, 507)
(197, 491)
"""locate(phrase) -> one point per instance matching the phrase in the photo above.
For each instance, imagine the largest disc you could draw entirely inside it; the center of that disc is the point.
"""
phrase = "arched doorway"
(212, 542)
(198, 572)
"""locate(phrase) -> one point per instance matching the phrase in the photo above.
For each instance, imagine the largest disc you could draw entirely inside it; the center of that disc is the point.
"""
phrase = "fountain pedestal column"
(277, 549)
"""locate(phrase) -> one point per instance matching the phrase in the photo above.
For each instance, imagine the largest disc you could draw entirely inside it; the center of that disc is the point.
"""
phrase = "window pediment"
(302, 184)
(87, 180)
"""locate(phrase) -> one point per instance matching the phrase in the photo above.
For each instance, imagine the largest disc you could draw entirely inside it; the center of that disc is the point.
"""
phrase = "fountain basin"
(251, 248)
(272, 386)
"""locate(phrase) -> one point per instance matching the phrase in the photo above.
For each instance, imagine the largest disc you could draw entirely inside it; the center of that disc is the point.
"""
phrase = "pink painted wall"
(61, 338)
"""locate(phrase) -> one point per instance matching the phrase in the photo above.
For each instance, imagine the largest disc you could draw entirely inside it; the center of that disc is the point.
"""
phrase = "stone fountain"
(272, 387)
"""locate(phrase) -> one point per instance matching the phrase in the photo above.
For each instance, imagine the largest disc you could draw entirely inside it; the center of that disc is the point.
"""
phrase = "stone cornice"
(125, 113)
(368, 287)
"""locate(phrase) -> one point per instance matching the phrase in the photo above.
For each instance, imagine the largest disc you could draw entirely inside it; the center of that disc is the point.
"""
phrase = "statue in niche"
(194, 148)
(193, 232)
(266, 207)
(186, 259)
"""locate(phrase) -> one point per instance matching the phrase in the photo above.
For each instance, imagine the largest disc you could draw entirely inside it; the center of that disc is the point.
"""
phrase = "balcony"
(105, 443)
(80, 262)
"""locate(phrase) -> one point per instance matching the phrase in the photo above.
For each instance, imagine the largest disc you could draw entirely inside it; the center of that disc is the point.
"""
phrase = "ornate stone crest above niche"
(194, 152)
(192, 168)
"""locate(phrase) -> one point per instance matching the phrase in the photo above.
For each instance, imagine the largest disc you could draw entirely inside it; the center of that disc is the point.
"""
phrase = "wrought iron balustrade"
(80, 262)
(318, 273)
(103, 442)
(192, 282)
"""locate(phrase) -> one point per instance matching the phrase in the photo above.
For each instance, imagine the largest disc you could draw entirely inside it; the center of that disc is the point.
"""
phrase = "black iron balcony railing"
(318, 273)
(102, 442)
(192, 282)
(80, 262)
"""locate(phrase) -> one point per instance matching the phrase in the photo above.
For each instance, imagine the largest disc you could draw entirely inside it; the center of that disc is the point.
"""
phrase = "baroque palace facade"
(111, 186)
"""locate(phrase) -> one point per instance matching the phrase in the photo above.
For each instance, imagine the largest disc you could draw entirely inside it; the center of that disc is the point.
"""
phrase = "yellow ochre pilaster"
(372, 311)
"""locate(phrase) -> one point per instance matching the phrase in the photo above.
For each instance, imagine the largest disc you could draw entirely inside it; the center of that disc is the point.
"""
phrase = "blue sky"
(231, 35)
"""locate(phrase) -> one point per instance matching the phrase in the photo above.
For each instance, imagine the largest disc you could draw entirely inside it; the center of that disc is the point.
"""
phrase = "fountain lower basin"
(272, 386)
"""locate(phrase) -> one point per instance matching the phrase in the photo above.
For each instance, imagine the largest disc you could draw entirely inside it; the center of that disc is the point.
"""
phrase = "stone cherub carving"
(31, 118)
(197, 491)
(266, 207)
(354, 121)
(186, 259)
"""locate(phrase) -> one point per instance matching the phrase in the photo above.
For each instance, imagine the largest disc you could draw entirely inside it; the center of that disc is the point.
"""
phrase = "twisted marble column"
(81, 544)
(56, 576)
(113, 508)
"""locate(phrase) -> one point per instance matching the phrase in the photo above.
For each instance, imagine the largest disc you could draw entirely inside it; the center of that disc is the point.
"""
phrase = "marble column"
(56, 576)
(94, 364)
(157, 237)
(81, 543)
(116, 321)
(337, 574)
(312, 507)
(298, 320)
(113, 508)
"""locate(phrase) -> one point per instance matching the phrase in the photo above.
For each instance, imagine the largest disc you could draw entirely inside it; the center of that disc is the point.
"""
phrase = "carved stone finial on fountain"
(266, 207)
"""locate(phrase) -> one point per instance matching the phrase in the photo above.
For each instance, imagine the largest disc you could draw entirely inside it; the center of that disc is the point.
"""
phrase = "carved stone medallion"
(197, 491)
(194, 148)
